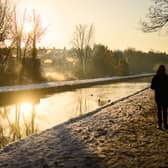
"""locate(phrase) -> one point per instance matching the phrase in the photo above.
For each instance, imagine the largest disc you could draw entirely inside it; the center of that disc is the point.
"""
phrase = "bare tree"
(6, 15)
(37, 32)
(25, 42)
(82, 40)
(34, 37)
(12, 28)
(157, 17)
(17, 33)
(6, 12)
(29, 39)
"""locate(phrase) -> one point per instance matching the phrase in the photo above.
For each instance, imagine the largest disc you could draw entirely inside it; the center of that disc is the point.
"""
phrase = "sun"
(28, 27)
(26, 108)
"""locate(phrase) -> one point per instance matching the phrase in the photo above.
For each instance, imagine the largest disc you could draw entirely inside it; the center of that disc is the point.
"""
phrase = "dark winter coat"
(160, 85)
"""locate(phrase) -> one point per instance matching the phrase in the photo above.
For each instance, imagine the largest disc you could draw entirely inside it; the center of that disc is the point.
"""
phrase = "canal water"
(36, 113)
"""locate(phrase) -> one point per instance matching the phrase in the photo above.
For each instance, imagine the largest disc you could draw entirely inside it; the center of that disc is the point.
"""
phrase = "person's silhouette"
(160, 85)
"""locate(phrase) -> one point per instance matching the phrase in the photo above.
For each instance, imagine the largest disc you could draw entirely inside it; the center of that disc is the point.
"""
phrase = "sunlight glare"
(28, 27)
(26, 108)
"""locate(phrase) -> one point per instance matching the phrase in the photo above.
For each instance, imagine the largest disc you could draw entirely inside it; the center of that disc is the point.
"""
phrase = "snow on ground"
(62, 84)
(119, 136)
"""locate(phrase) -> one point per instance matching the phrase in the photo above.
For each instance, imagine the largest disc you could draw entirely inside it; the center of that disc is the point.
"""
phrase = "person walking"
(159, 84)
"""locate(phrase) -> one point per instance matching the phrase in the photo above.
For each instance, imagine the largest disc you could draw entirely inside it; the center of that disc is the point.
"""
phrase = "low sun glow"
(26, 108)
(28, 27)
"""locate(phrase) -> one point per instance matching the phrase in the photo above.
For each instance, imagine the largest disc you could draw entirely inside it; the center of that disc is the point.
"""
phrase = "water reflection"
(17, 121)
(81, 103)
(26, 108)
(26, 113)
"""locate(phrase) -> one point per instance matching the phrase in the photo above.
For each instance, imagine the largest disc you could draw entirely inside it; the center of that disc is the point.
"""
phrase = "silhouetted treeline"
(102, 62)
(62, 64)
(105, 62)
(14, 72)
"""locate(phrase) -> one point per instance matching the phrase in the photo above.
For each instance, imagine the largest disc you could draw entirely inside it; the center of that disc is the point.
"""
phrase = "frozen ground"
(122, 135)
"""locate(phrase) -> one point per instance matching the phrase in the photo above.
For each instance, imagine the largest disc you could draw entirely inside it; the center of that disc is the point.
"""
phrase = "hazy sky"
(116, 22)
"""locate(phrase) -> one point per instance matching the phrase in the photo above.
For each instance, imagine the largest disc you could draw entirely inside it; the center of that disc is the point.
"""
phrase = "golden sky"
(116, 22)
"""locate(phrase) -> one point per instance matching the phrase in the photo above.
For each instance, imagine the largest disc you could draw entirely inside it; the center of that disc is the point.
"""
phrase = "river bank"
(121, 135)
